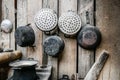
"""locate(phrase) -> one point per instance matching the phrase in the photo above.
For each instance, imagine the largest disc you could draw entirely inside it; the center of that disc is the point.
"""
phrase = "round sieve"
(46, 19)
(69, 23)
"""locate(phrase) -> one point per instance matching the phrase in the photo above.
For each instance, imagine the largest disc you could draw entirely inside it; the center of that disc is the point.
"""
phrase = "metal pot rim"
(23, 63)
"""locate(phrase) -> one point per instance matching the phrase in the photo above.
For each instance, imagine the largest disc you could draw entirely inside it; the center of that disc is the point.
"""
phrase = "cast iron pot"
(89, 37)
(24, 70)
(53, 45)
(24, 36)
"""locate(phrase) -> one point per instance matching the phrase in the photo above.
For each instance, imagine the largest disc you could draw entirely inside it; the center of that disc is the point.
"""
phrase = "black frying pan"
(89, 37)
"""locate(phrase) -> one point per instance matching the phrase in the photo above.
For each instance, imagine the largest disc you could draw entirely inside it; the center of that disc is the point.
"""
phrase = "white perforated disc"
(46, 19)
(69, 23)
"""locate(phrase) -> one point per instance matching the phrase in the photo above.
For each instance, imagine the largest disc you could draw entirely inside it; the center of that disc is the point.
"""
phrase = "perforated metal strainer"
(69, 23)
(46, 19)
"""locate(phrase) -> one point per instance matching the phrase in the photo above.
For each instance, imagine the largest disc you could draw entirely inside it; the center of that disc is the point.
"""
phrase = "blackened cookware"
(24, 36)
(53, 45)
(24, 70)
(89, 37)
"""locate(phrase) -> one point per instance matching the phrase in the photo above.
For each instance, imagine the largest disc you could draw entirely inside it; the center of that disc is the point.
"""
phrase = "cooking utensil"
(24, 36)
(69, 23)
(53, 45)
(6, 26)
(89, 37)
(46, 19)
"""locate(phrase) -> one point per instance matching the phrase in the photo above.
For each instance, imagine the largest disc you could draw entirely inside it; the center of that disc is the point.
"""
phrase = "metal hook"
(87, 17)
(7, 11)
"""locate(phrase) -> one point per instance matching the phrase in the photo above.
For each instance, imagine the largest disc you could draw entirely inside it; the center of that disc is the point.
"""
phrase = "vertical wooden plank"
(22, 20)
(67, 62)
(85, 57)
(107, 19)
(32, 9)
(52, 4)
(7, 40)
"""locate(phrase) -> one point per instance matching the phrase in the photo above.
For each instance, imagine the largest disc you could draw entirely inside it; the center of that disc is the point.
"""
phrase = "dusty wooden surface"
(107, 19)
(67, 62)
(7, 40)
(85, 57)
(53, 61)
(34, 52)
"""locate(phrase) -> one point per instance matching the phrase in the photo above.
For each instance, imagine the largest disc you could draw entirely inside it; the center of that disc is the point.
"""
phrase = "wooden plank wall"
(74, 59)
(107, 19)
(85, 57)
(7, 40)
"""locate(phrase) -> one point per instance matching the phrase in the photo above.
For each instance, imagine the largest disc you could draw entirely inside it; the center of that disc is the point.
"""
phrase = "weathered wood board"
(67, 62)
(22, 20)
(85, 57)
(7, 40)
(107, 19)
(53, 61)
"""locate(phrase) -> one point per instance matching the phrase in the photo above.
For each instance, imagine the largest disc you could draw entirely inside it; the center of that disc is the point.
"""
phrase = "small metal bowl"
(53, 45)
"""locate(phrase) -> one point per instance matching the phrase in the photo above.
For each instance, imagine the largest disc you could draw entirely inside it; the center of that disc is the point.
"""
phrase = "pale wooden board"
(22, 20)
(85, 57)
(32, 9)
(7, 40)
(107, 19)
(67, 60)
(52, 4)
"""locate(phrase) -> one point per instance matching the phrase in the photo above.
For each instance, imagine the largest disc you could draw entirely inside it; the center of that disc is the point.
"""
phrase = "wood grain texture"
(32, 9)
(107, 19)
(67, 60)
(85, 57)
(94, 72)
(7, 40)
(52, 4)
(22, 20)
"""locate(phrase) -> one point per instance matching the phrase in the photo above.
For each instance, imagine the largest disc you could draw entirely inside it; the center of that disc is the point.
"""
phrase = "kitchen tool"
(53, 45)
(24, 70)
(97, 66)
(46, 19)
(24, 36)
(23, 63)
(89, 37)
(69, 23)
(6, 26)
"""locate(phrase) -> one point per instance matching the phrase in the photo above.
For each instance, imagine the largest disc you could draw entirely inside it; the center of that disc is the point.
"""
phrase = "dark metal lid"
(89, 37)
(53, 45)
(24, 36)
(23, 63)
